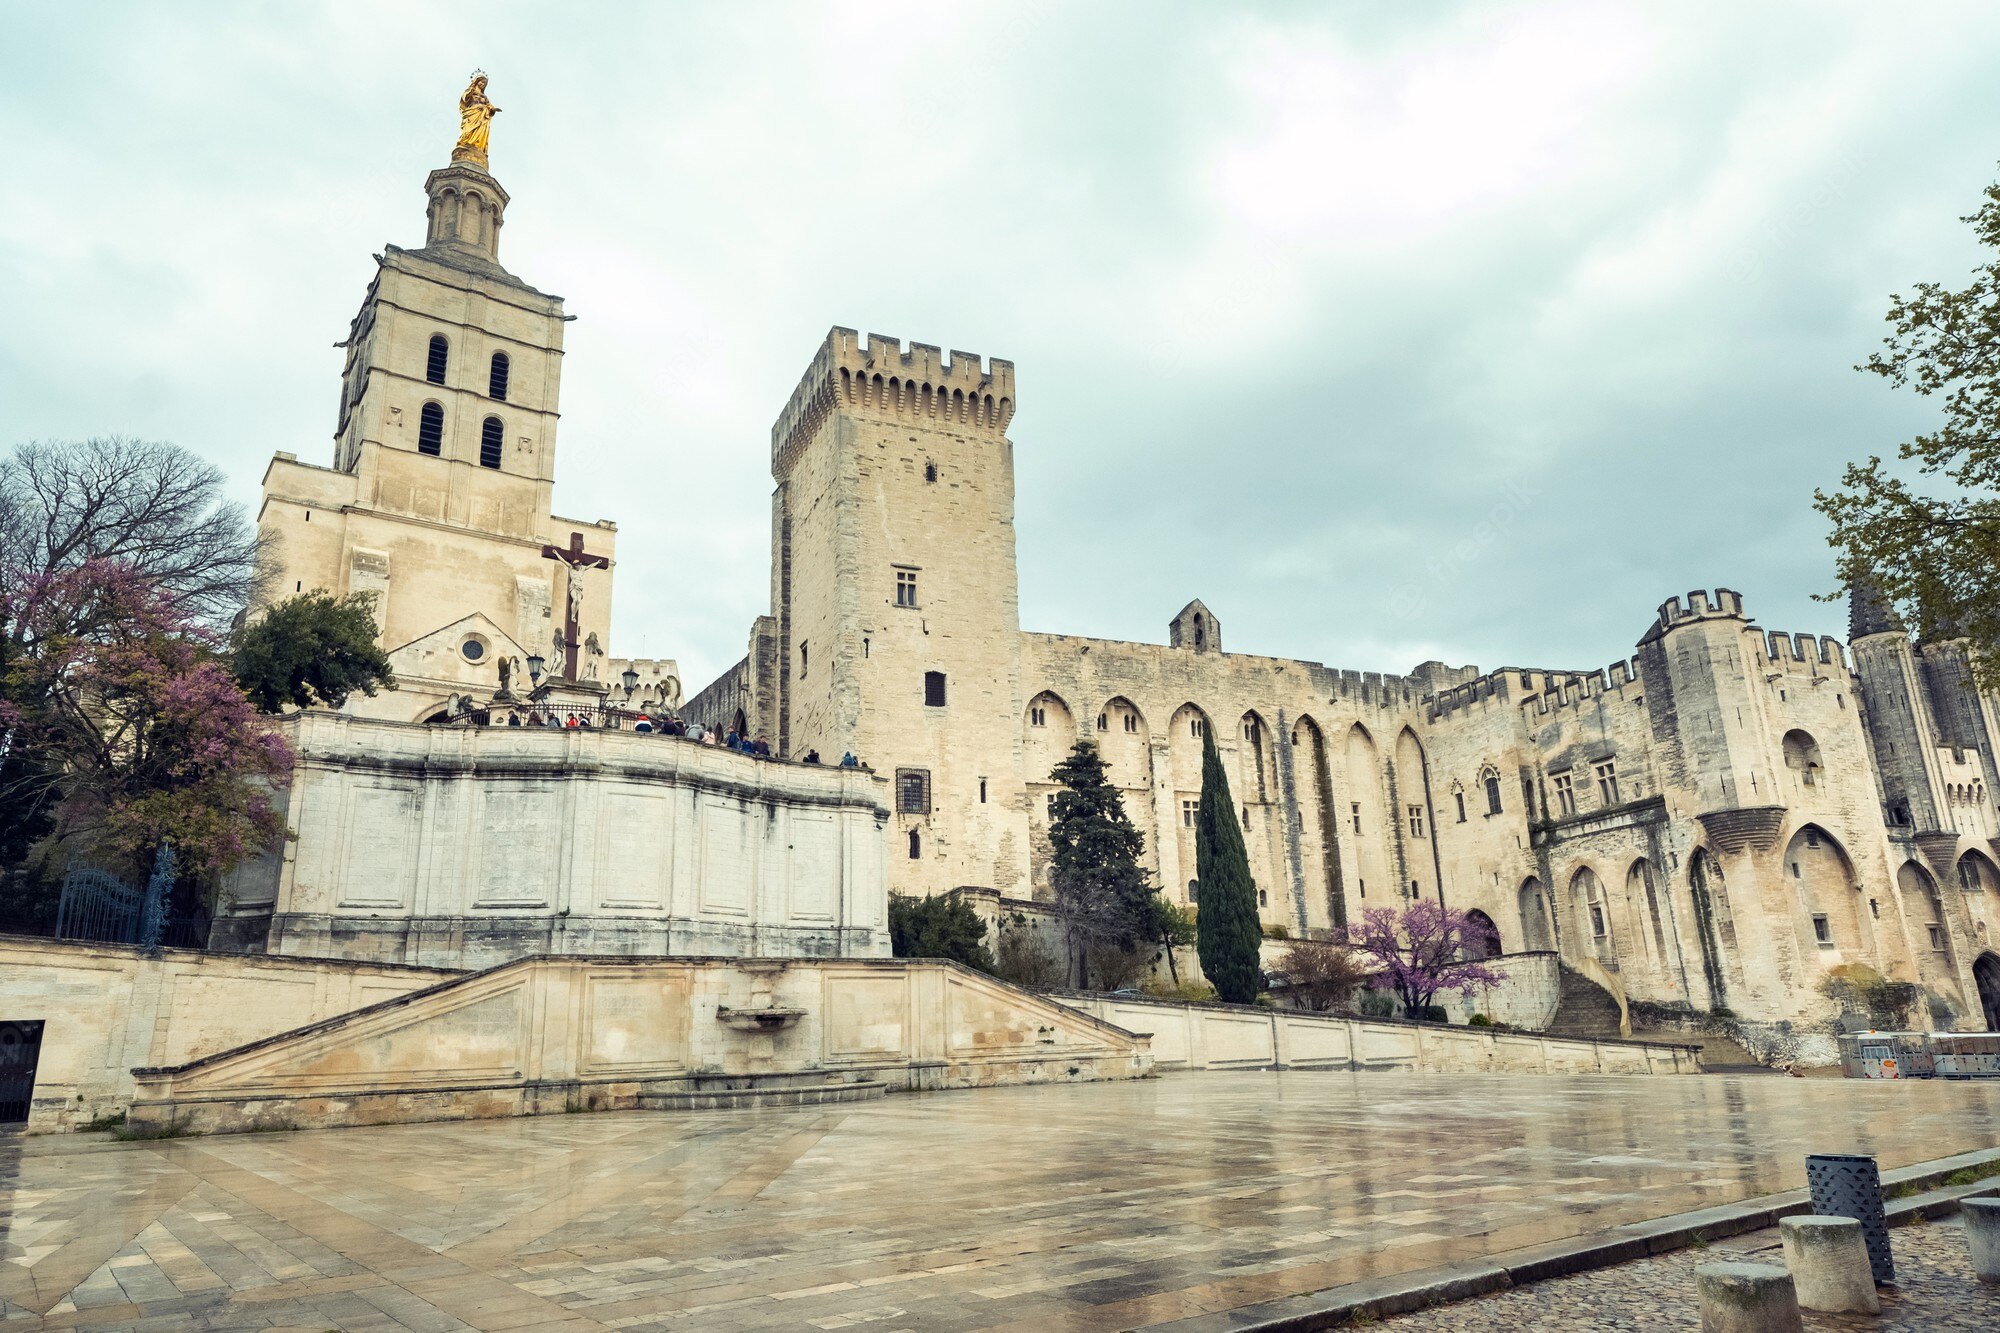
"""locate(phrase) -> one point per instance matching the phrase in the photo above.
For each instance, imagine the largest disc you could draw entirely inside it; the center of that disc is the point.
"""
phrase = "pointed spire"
(1869, 612)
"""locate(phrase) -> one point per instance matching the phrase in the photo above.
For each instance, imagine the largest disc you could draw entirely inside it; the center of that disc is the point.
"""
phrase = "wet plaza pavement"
(1092, 1207)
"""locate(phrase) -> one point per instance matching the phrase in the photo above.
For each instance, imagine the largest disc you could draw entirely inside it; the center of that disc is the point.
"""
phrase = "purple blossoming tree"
(1422, 950)
(146, 737)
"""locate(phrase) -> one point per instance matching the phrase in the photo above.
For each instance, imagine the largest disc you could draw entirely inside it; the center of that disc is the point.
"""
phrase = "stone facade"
(1714, 823)
(467, 846)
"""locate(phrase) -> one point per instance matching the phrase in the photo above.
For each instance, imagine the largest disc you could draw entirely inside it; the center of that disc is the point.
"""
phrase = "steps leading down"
(1586, 1009)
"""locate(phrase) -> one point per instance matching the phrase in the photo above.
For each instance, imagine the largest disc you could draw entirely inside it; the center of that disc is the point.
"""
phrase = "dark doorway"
(20, 1052)
(1482, 937)
(1986, 975)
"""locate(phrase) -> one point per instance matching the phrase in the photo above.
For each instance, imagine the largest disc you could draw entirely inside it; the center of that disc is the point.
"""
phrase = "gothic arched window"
(490, 435)
(496, 378)
(430, 430)
(440, 358)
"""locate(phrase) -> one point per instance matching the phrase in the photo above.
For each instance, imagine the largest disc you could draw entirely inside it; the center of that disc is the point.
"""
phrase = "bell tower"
(438, 500)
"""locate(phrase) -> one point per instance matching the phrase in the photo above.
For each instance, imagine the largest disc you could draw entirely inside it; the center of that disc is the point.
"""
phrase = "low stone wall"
(1224, 1036)
(554, 1034)
(106, 1008)
(471, 846)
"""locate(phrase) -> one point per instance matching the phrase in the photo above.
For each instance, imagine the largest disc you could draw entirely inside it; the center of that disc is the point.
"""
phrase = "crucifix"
(573, 558)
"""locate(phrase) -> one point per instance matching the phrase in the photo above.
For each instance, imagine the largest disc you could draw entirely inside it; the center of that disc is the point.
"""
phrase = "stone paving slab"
(1092, 1207)
(1935, 1290)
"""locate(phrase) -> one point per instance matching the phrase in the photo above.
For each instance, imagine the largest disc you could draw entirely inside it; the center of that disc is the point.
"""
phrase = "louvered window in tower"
(490, 436)
(439, 359)
(430, 430)
(496, 378)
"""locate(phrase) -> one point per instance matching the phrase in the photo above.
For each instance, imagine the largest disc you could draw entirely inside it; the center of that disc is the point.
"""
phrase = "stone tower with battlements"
(896, 630)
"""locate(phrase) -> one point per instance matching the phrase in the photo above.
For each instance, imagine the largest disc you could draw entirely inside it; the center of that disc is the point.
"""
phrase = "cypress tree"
(1227, 932)
(1100, 887)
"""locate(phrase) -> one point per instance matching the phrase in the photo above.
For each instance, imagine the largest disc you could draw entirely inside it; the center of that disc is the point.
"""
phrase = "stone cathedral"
(1716, 822)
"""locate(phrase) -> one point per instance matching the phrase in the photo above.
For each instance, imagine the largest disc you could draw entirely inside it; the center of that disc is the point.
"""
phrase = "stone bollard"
(1747, 1298)
(1828, 1259)
(1982, 1234)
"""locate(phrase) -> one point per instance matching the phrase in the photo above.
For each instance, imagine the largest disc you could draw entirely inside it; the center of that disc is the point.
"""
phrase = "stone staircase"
(1585, 1009)
(1720, 1054)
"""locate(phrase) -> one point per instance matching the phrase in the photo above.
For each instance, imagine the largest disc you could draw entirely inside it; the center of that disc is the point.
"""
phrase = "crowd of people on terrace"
(642, 722)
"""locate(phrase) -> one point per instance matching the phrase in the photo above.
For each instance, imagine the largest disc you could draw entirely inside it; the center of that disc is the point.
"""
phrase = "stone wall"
(1527, 999)
(550, 1035)
(1217, 1036)
(107, 1008)
(466, 846)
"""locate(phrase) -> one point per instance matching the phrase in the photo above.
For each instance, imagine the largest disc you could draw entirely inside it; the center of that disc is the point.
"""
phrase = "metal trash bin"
(1850, 1185)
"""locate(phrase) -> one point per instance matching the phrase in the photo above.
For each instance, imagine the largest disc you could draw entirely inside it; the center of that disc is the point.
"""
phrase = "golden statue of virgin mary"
(475, 122)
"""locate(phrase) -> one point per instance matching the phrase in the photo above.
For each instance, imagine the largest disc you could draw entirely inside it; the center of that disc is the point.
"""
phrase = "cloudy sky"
(1391, 331)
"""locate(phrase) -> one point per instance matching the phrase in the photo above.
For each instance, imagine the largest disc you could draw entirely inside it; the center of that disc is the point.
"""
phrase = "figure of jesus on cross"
(573, 558)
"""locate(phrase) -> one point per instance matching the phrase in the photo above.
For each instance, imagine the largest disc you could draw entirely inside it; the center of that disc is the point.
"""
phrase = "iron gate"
(20, 1052)
(97, 905)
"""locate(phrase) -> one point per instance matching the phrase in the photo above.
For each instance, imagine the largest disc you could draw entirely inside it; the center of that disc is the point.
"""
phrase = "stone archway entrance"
(1482, 939)
(1986, 976)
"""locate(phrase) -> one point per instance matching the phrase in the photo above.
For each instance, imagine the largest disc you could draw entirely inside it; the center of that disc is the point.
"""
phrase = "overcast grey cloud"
(1392, 332)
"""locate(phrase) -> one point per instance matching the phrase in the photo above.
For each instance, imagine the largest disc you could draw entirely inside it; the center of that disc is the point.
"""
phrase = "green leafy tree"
(1100, 888)
(941, 927)
(1933, 554)
(311, 650)
(1172, 928)
(1227, 929)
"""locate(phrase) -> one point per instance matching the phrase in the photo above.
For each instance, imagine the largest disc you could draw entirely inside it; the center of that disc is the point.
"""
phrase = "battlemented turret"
(879, 379)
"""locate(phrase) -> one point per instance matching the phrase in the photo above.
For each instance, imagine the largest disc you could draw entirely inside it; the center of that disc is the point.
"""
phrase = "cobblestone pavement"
(1935, 1292)
(1077, 1208)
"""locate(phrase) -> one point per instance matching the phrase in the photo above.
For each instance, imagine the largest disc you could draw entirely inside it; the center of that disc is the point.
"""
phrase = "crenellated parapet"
(877, 377)
(1375, 689)
(1475, 695)
(1804, 651)
(1587, 689)
(1722, 604)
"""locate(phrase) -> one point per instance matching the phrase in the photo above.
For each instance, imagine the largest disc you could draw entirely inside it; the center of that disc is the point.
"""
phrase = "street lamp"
(535, 665)
(631, 679)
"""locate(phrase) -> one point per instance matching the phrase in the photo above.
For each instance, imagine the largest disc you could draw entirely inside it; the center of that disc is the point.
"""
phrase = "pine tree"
(1100, 888)
(1227, 930)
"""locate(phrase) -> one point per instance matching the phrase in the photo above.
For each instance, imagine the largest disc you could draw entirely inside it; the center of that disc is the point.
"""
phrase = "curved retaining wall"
(1228, 1036)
